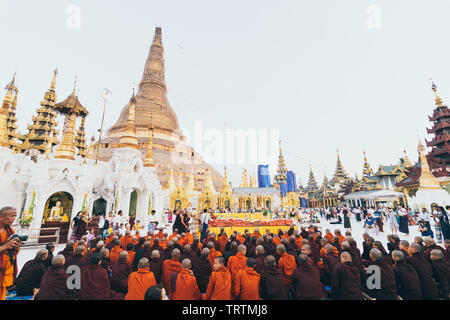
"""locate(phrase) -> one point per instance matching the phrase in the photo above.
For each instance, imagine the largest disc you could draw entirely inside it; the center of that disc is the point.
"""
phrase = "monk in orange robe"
(223, 241)
(8, 250)
(338, 234)
(115, 251)
(169, 267)
(329, 236)
(286, 264)
(183, 285)
(240, 238)
(298, 240)
(174, 234)
(163, 243)
(160, 234)
(131, 254)
(213, 253)
(139, 281)
(256, 234)
(246, 283)
(135, 240)
(125, 240)
(219, 286)
(189, 237)
(276, 240)
(81, 243)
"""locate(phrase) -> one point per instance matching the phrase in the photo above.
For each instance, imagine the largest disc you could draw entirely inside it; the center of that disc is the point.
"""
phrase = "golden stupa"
(153, 110)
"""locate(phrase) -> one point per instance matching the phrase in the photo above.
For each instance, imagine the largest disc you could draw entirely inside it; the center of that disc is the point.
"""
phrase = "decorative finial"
(53, 84)
(75, 84)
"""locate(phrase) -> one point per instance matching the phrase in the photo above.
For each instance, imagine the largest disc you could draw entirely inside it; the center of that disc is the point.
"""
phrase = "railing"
(29, 243)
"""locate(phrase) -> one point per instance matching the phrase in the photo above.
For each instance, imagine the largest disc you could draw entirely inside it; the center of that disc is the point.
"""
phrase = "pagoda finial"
(53, 83)
(406, 162)
(437, 98)
(4, 111)
(75, 84)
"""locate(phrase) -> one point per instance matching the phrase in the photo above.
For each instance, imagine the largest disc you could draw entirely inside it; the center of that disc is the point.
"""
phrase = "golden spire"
(90, 154)
(208, 185)
(426, 181)
(244, 180)
(406, 162)
(53, 83)
(367, 170)
(129, 138)
(190, 187)
(180, 178)
(80, 139)
(66, 149)
(437, 98)
(226, 184)
(253, 183)
(171, 182)
(4, 111)
(48, 149)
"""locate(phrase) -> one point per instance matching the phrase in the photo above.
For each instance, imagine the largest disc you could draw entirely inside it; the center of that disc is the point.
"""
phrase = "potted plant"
(25, 221)
(265, 212)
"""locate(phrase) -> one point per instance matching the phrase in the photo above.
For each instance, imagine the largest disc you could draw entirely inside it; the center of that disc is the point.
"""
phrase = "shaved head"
(41, 254)
(270, 260)
(241, 248)
(176, 253)
(143, 263)
(205, 252)
(123, 256)
(58, 260)
(186, 263)
(155, 254)
(346, 257)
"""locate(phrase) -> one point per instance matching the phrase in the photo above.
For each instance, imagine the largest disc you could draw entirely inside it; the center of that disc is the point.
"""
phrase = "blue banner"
(303, 203)
(283, 189)
(263, 176)
(291, 181)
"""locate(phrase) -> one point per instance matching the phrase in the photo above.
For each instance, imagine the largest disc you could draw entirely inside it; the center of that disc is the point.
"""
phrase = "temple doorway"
(133, 202)
(99, 207)
(58, 207)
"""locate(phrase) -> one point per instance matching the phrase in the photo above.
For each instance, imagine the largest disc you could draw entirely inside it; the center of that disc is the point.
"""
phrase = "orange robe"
(190, 238)
(8, 269)
(169, 267)
(341, 238)
(329, 237)
(212, 255)
(276, 240)
(163, 244)
(299, 241)
(186, 287)
(125, 241)
(160, 235)
(114, 254)
(241, 239)
(236, 263)
(173, 235)
(257, 235)
(287, 265)
(246, 284)
(131, 255)
(138, 283)
(219, 286)
(223, 240)
(183, 241)
(109, 239)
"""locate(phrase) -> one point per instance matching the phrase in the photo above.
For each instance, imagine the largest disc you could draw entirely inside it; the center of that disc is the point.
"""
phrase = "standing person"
(9, 248)
(101, 225)
(152, 223)
(185, 218)
(347, 224)
(392, 220)
(425, 217)
(177, 225)
(82, 225)
(117, 220)
(403, 223)
(358, 214)
(379, 219)
(205, 218)
(444, 223)
(74, 226)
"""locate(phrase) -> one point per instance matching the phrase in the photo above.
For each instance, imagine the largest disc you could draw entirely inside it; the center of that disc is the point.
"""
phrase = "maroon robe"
(156, 267)
(388, 288)
(306, 283)
(119, 278)
(270, 248)
(441, 274)
(425, 273)
(202, 271)
(67, 252)
(330, 261)
(272, 285)
(77, 260)
(95, 285)
(30, 277)
(260, 263)
(54, 285)
(428, 250)
(346, 282)
(407, 280)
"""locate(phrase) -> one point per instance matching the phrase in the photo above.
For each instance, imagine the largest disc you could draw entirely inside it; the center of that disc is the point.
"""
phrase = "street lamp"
(106, 97)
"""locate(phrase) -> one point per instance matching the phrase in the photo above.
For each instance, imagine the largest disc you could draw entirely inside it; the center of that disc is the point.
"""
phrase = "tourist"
(82, 224)
(205, 218)
(103, 224)
(392, 220)
(74, 226)
(403, 221)
(444, 223)
(347, 224)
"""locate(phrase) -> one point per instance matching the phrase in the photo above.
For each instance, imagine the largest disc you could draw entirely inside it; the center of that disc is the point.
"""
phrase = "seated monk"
(240, 238)
(156, 263)
(286, 263)
(329, 261)
(31, 274)
(169, 267)
(189, 237)
(260, 261)
(238, 261)
(105, 263)
(139, 281)
(246, 283)
(256, 233)
(95, 283)
(306, 281)
(50, 248)
(115, 251)
(68, 250)
(202, 270)
(345, 282)
(163, 243)
(338, 234)
(424, 271)
(160, 234)
(219, 286)
(81, 243)
(406, 278)
(272, 286)
(329, 236)
(223, 241)
(213, 253)
(131, 254)
(120, 271)
(298, 240)
(174, 234)
(125, 240)
(54, 283)
(276, 240)
(441, 272)
(78, 259)
(183, 285)
(387, 287)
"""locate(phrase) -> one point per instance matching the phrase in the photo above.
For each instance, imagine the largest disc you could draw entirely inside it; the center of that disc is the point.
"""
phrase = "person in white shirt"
(205, 218)
(122, 230)
(424, 216)
(101, 225)
(116, 221)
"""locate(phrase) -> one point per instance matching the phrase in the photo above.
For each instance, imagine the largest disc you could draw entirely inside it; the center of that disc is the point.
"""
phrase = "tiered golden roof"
(4, 113)
(427, 180)
(406, 162)
(367, 170)
(312, 184)
(339, 175)
(80, 139)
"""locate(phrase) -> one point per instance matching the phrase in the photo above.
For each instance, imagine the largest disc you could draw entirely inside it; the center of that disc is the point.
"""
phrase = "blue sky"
(312, 69)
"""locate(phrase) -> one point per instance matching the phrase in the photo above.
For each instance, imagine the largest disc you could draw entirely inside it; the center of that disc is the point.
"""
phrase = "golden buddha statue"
(56, 212)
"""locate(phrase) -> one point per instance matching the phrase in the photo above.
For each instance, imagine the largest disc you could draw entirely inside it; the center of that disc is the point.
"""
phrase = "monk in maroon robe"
(346, 282)
(156, 263)
(431, 245)
(272, 285)
(441, 272)
(407, 280)
(120, 270)
(50, 248)
(424, 271)
(95, 283)
(306, 283)
(78, 259)
(54, 283)
(68, 250)
(260, 261)
(31, 274)
(388, 288)
(202, 270)
(330, 261)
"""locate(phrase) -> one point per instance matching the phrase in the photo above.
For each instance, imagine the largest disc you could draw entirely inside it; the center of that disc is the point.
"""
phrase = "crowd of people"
(298, 263)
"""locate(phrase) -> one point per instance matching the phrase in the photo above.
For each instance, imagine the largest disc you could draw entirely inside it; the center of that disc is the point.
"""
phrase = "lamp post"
(106, 96)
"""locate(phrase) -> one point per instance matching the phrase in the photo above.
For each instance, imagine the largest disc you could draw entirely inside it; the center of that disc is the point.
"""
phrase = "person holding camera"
(9, 248)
